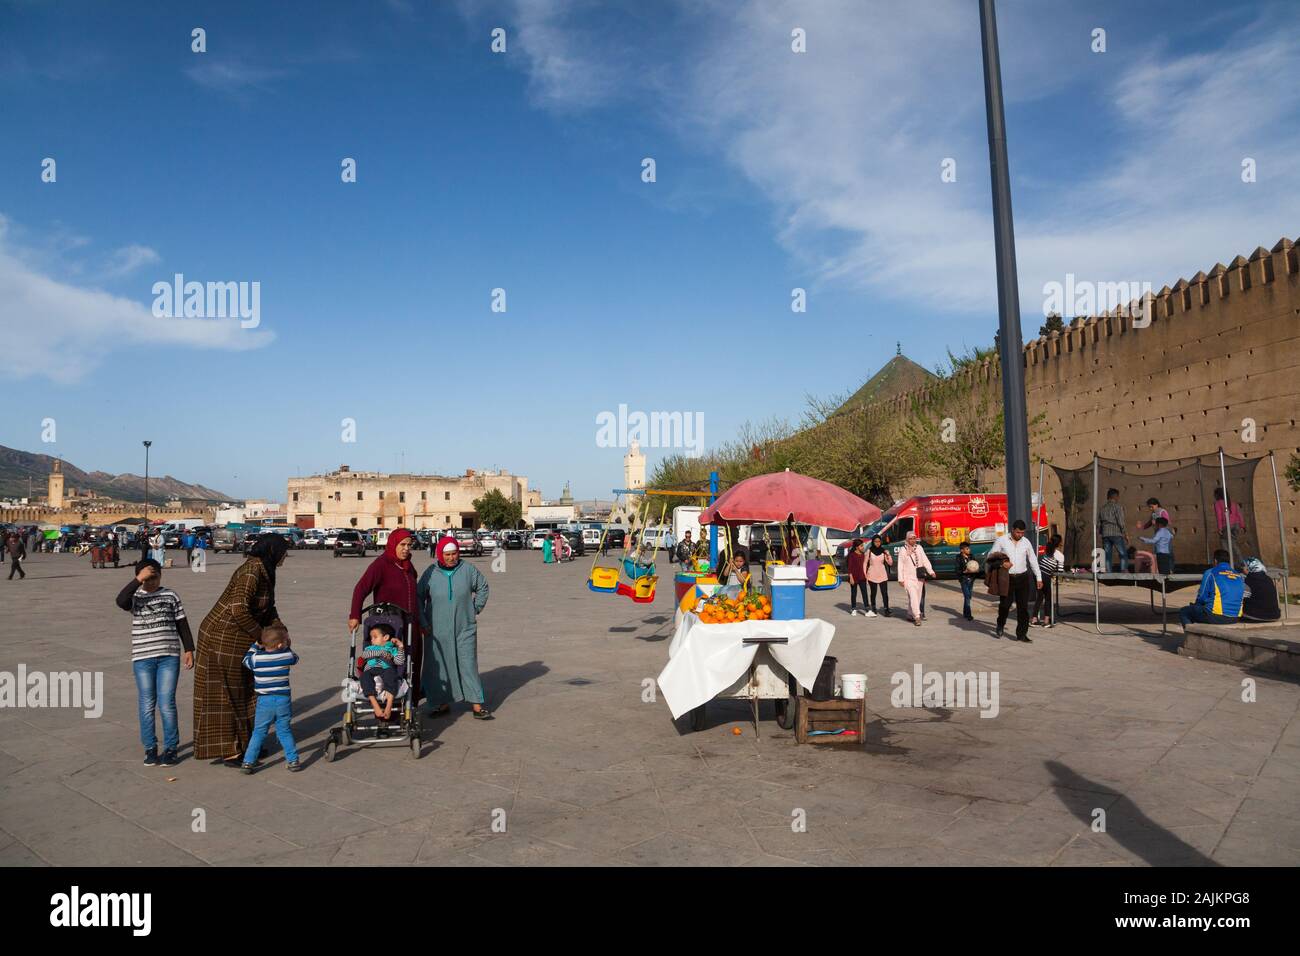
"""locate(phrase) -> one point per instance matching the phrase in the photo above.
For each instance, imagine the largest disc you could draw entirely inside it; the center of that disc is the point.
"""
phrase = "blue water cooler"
(788, 586)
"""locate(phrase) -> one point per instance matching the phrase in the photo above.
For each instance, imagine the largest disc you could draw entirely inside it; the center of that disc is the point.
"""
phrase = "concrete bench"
(1261, 645)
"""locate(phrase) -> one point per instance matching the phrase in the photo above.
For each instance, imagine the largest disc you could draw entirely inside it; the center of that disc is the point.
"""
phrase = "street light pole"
(146, 484)
(1011, 345)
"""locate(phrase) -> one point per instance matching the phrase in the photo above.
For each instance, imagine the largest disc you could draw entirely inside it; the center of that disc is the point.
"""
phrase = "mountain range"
(16, 467)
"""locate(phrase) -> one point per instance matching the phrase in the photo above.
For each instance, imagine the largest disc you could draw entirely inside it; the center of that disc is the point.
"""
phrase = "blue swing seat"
(635, 571)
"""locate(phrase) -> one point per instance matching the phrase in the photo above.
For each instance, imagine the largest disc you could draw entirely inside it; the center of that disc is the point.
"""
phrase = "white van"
(686, 518)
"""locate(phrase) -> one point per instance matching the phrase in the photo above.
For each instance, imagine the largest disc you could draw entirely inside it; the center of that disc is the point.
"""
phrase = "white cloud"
(845, 141)
(231, 76)
(54, 329)
(128, 259)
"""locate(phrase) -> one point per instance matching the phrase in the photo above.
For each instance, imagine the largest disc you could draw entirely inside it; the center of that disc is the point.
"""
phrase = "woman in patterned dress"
(223, 688)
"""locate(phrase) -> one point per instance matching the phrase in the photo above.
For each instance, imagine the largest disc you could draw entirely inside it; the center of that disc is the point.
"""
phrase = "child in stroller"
(379, 659)
(384, 657)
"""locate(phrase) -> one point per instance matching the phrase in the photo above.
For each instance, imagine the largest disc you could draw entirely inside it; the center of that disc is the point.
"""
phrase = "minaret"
(634, 467)
(54, 492)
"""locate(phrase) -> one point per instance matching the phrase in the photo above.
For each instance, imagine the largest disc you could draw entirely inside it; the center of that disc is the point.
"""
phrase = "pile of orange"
(724, 610)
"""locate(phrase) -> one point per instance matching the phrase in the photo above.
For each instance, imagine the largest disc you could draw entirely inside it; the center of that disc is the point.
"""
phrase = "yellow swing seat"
(644, 589)
(828, 579)
(604, 580)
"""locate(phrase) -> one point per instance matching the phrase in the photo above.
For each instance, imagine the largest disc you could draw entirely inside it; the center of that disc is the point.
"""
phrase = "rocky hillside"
(17, 466)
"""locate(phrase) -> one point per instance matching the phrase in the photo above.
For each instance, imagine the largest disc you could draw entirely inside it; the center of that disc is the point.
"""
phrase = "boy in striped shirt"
(159, 631)
(270, 659)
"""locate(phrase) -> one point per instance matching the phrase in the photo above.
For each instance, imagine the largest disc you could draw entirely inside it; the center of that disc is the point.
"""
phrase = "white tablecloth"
(705, 659)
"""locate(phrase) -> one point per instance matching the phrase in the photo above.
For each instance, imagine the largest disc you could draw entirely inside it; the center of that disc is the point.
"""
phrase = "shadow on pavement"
(1127, 825)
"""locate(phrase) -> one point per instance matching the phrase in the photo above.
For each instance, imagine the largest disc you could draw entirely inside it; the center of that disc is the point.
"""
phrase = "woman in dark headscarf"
(391, 579)
(223, 688)
(452, 596)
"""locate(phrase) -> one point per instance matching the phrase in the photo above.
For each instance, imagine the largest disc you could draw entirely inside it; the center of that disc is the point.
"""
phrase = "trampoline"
(1186, 488)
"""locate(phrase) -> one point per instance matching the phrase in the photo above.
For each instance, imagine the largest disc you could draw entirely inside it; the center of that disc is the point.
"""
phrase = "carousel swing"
(827, 578)
(642, 576)
(601, 578)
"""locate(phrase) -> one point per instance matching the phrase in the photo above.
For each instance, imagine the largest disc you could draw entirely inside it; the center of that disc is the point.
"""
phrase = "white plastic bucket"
(853, 686)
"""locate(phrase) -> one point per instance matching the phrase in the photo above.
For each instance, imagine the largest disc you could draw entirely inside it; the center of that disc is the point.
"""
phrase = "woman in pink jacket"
(913, 567)
(877, 564)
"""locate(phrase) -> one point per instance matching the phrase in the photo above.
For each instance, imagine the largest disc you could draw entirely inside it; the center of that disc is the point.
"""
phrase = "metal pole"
(1281, 532)
(146, 484)
(1227, 507)
(1096, 588)
(1014, 416)
(713, 528)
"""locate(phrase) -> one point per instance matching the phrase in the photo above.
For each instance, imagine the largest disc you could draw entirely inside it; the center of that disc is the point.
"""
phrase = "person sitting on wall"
(1220, 597)
(1261, 593)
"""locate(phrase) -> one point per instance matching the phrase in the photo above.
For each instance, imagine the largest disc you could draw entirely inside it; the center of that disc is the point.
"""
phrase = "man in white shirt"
(1022, 558)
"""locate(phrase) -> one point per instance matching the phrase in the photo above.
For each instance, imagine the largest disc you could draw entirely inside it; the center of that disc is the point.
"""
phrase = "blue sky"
(522, 171)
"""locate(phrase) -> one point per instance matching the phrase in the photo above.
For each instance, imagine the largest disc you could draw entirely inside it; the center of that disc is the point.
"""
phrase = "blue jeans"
(967, 588)
(272, 709)
(155, 682)
(1110, 544)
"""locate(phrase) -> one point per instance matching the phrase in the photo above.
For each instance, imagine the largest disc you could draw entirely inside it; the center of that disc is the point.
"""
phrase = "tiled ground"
(586, 772)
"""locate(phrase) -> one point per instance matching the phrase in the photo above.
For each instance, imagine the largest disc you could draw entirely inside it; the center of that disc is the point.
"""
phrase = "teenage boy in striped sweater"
(270, 659)
(159, 632)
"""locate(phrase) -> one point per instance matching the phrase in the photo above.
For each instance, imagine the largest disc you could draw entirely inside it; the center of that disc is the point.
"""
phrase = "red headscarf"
(390, 549)
(445, 540)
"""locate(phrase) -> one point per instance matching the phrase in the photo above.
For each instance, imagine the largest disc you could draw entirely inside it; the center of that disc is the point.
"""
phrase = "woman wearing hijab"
(223, 688)
(548, 549)
(914, 569)
(877, 565)
(452, 596)
(391, 579)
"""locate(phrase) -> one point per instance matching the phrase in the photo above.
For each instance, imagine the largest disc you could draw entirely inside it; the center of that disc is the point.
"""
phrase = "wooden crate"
(828, 715)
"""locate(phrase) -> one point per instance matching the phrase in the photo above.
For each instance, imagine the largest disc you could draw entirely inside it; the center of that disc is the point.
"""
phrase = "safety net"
(1185, 487)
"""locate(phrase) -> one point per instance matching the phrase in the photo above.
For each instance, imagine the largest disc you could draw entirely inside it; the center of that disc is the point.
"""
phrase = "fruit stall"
(743, 643)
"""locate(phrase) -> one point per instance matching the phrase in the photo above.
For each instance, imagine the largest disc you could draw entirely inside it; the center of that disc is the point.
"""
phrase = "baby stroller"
(360, 725)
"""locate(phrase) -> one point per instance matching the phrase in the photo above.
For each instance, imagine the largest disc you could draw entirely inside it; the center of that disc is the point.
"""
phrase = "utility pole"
(1011, 349)
(146, 485)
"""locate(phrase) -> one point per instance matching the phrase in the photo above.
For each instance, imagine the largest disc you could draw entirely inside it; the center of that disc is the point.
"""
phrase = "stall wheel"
(785, 711)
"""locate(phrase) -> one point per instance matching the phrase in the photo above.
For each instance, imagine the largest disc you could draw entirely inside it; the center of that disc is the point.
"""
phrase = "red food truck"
(944, 522)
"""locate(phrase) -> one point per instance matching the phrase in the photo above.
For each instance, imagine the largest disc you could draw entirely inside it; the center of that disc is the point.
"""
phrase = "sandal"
(483, 714)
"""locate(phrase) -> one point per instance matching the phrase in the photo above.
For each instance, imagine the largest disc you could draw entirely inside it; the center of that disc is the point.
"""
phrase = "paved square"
(587, 773)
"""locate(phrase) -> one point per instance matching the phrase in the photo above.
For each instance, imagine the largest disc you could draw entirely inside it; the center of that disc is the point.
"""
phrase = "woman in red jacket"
(391, 579)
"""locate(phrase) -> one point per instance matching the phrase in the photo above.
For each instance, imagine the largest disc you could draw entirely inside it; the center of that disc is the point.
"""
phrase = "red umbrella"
(785, 495)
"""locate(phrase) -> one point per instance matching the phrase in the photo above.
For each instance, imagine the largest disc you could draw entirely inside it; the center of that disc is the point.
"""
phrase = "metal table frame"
(1147, 579)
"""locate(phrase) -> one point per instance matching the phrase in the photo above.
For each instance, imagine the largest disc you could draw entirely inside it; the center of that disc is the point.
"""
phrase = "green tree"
(956, 430)
(1293, 472)
(1054, 323)
(496, 511)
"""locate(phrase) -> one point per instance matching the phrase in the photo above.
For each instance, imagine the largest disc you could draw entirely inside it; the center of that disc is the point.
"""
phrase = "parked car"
(536, 539)
(512, 540)
(616, 537)
(313, 538)
(350, 542)
(591, 537)
(227, 539)
(468, 541)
